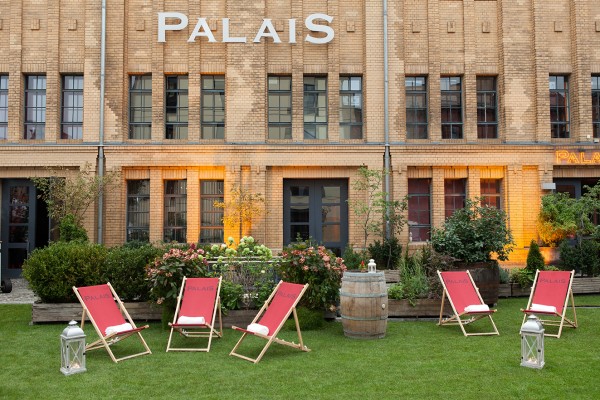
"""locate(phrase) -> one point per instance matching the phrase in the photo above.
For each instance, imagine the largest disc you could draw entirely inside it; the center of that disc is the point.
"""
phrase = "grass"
(416, 360)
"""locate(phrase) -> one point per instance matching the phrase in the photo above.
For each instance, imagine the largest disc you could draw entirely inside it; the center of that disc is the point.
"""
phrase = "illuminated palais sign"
(577, 157)
(178, 21)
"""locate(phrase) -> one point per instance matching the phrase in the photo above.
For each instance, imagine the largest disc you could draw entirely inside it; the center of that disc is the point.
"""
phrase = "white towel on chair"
(183, 320)
(258, 328)
(477, 308)
(118, 328)
(542, 308)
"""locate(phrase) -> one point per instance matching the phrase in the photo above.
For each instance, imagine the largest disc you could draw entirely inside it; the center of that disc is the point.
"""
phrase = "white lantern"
(372, 266)
(532, 343)
(72, 349)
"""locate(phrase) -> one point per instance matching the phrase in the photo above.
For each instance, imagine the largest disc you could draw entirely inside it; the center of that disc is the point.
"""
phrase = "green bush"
(355, 258)
(387, 253)
(413, 279)
(231, 295)
(125, 269)
(535, 259)
(53, 271)
(69, 230)
(582, 257)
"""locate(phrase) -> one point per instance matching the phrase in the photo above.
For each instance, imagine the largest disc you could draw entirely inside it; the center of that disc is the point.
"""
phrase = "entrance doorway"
(317, 209)
(25, 224)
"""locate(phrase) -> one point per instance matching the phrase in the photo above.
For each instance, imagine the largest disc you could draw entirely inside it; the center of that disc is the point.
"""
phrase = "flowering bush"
(248, 247)
(166, 273)
(320, 268)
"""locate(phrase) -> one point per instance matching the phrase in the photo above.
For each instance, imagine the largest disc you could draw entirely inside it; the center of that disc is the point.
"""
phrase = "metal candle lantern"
(372, 266)
(72, 349)
(532, 343)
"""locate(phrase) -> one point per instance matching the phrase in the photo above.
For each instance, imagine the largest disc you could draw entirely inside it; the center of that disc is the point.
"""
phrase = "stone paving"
(20, 294)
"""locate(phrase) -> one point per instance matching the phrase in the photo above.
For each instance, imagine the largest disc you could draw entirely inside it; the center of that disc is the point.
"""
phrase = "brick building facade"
(492, 98)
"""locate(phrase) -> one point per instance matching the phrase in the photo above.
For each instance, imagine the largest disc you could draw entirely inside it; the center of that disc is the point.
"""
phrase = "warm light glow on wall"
(579, 157)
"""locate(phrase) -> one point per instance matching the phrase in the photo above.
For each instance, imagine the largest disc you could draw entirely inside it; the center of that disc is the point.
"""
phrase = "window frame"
(318, 95)
(557, 123)
(451, 124)
(215, 211)
(39, 111)
(137, 228)
(217, 127)
(143, 109)
(179, 231)
(277, 111)
(4, 82)
(482, 108)
(181, 118)
(418, 225)
(412, 127)
(596, 106)
(487, 195)
(455, 195)
(354, 124)
(77, 93)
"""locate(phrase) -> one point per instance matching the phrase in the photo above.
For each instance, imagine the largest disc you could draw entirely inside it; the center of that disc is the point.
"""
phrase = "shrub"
(53, 271)
(582, 257)
(303, 263)
(413, 279)
(535, 259)
(354, 259)
(387, 253)
(69, 230)
(125, 269)
(231, 295)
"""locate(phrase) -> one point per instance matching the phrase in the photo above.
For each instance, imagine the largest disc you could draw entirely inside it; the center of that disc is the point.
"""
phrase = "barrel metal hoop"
(363, 295)
(383, 317)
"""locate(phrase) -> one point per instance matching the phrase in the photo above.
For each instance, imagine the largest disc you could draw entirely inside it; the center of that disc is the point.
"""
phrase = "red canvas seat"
(109, 317)
(198, 308)
(549, 297)
(271, 317)
(467, 304)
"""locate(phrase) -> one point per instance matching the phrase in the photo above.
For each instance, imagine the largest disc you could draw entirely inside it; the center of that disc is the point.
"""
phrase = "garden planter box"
(422, 308)
(504, 290)
(139, 311)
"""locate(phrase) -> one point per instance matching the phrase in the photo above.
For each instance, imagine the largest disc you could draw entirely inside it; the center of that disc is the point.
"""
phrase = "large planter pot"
(363, 303)
(425, 308)
(486, 276)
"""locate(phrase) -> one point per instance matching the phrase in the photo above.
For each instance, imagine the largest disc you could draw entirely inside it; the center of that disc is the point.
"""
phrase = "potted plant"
(477, 236)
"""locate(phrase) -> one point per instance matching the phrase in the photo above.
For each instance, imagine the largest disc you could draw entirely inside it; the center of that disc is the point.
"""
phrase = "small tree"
(71, 196)
(535, 259)
(242, 209)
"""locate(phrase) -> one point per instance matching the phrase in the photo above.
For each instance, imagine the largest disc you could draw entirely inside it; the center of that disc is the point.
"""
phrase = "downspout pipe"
(101, 158)
(386, 117)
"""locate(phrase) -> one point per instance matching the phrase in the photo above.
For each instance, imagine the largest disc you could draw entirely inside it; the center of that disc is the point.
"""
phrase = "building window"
(487, 108)
(175, 223)
(138, 210)
(490, 193)
(419, 209)
(213, 107)
(452, 125)
(315, 107)
(176, 107)
(211, 217)
(351, 121)
(280, 107)
(416, 107)
(35, 107)
(596, 105)
(559, 106)
(140, 106)
(455, 195)
(72, 107)
(3, 107)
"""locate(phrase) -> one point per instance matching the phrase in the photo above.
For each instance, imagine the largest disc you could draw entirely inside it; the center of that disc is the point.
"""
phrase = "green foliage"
(523, 277)
(433, 262)
(473, 233)
(320, 268)
(535, 259)
(387, 253)
(242, 208)
(231, 295)
(556, 220)
(166, 273)
(413, 279)
(125, 269)
(53, 271)
(71, 230)
(582, 257)
(504, 275)
(355, 259)
(375, 211)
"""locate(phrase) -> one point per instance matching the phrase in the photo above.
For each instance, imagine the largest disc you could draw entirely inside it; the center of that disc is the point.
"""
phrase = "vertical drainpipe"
(101, 158)
(386, 116)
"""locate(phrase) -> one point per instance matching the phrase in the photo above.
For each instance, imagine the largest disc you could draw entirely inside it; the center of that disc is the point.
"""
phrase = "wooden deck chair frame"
(108, 340)
(197, 331)
(459, 315)
(553, 318)
(273, 337)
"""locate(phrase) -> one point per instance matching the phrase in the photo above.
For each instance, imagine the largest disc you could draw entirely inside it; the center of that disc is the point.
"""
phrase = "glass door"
(317, 209)
(18, 224)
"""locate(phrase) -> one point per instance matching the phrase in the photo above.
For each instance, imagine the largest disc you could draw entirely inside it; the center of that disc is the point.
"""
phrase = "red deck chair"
(197, 306)
(465, 300)
(272, 316)
(550, 294)
(105, 310)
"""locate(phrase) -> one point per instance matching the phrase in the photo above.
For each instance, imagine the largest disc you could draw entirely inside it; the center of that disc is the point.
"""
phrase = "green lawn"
(416, 360)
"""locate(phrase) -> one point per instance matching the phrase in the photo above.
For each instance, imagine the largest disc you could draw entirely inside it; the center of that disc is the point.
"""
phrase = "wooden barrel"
(364, 305)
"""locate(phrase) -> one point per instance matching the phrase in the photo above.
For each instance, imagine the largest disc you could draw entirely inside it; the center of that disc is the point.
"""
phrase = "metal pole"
(101, 158)
(386, 117)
